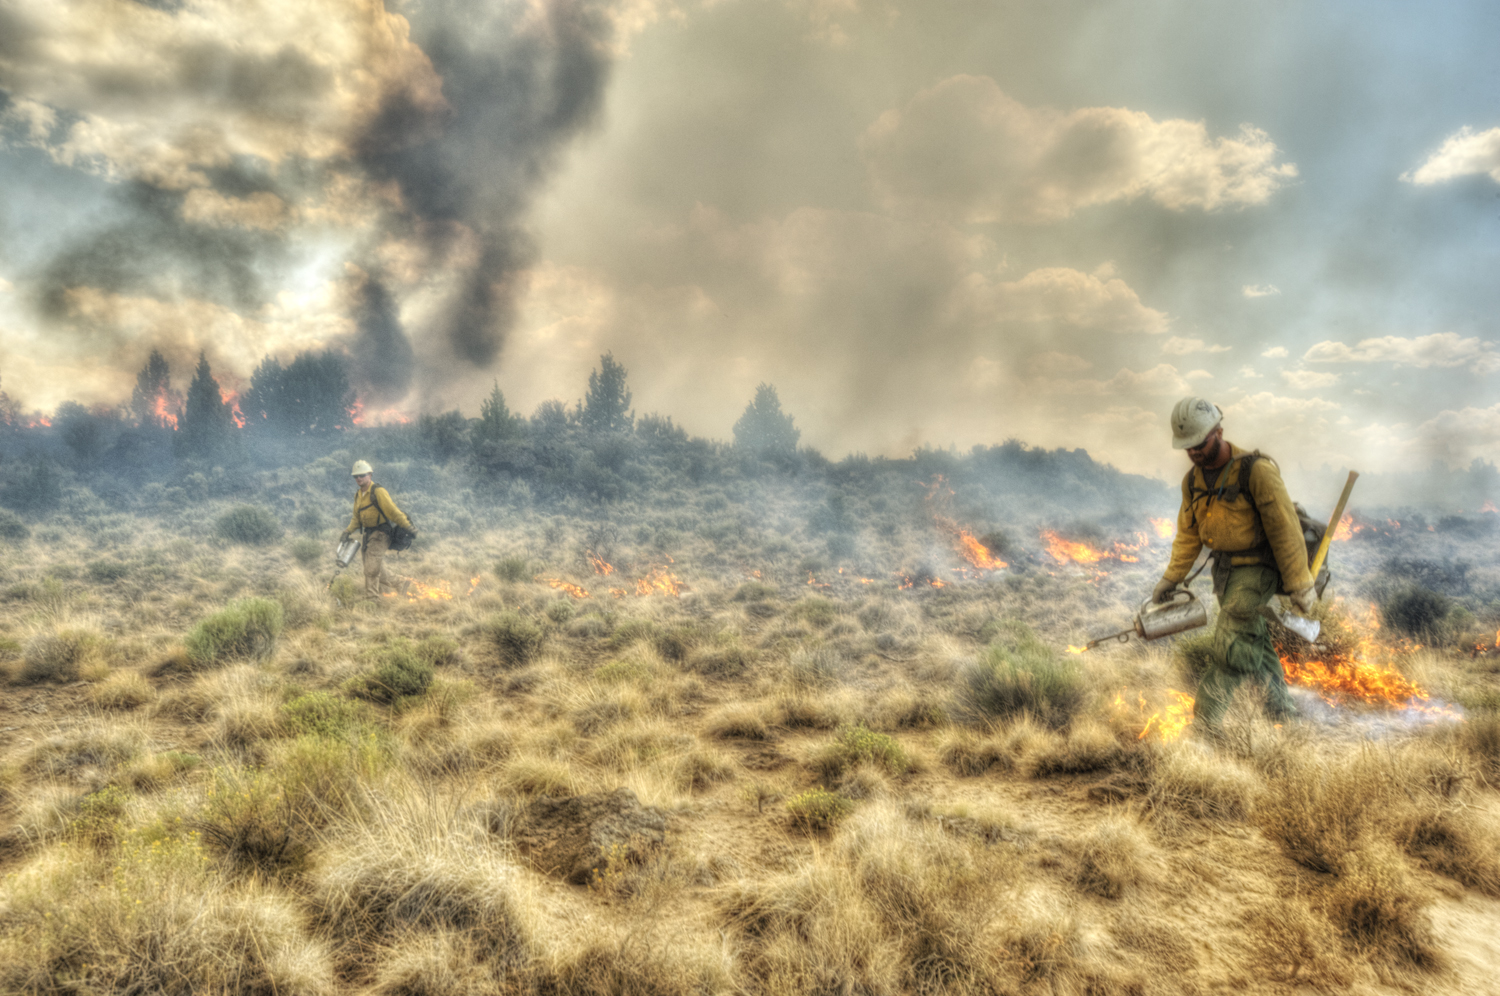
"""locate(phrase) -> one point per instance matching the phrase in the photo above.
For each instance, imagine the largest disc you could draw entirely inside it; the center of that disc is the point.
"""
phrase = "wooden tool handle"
(1333, 524)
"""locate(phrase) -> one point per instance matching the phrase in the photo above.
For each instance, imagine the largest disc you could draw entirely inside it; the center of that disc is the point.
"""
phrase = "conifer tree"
(764, 428)
(206, 420)
(606, 408)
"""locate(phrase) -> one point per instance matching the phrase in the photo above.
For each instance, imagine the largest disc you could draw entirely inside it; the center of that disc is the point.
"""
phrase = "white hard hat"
(361, 467)
(1192, 420)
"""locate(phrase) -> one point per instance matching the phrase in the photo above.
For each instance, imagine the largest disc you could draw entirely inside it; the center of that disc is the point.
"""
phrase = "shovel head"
(1304, 627)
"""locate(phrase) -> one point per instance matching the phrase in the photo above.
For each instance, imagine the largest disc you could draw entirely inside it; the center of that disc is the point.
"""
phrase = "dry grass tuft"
(738, 722)
(123, 691)
(1089, 746)
(1184, 780)
(1114, 856)
(422, 868)
(153, 918)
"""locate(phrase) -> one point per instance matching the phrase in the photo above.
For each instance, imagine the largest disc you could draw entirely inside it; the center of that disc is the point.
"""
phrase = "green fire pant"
(1242, 649)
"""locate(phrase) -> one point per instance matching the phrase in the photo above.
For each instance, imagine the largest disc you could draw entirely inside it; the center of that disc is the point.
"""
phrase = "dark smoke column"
(520, 80)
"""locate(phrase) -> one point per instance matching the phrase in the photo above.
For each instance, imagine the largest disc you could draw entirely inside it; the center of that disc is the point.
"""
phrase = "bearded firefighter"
(375, 517)
(1234, 503)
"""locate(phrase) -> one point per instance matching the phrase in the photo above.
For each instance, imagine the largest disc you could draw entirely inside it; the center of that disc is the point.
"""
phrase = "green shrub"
(107, 571)
(517, 639)
(249, 524)
(308, 521)
(322, 714)
(346, 590)
(440, 651)
(58, 656)
(560, 611)
(818, 810)
(307, 552)
(513, 569)
(400, 673)
(247, 628)
(1021, 674)
(11, 527)
(1415, 611)
(856, 745)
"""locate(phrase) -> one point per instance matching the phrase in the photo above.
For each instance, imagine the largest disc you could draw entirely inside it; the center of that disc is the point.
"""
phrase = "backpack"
(1312, 529)
(401, 537)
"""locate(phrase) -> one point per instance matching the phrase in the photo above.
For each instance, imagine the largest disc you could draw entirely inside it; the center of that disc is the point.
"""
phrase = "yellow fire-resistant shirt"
(365, 514)
(1228, 526)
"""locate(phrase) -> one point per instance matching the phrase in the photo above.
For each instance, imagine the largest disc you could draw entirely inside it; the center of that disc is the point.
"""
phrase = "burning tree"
(153, 402)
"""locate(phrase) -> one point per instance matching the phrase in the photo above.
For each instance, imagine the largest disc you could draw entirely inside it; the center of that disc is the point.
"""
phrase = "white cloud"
(1275, 353)
(1441, 349)
(1075, 298)
(1465, 153)
(209, 82)
(969, 151)
(1178, 346)
(1260, 290)
(1457, 437)
(1309, 380)
(1198, 375)
(1248, 372)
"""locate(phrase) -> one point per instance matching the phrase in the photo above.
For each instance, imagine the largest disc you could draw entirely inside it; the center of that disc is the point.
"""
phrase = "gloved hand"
(1305, 600)
(1163, 590)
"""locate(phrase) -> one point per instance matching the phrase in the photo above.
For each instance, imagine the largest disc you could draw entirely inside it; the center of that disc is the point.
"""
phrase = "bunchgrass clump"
(818, 810)
(513, 570)
(1019, 673)
(250, 525)
(516, 639)
(244, 629)
(59, 657)
(307, 552)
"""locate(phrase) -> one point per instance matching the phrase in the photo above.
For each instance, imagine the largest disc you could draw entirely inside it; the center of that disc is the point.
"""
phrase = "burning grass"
(826, 760)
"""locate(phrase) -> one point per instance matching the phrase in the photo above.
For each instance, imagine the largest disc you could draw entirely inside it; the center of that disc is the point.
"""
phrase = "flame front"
(598, 563)
(977, 553)
(1168, 723)
(1164, 528)
(567, 586)
(1345, 529)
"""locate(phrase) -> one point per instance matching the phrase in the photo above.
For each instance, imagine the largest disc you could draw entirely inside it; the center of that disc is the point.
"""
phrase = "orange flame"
(1076, 650)
(1359, 676)
(1169, 723)
(977, 553)
(1345, 529)
(567, 586)
(598, 563)
(1488, 506)
(232, 399)
(658, 579)
(1164, 528)
(416, 591)
(39, 421)
(165, 417)
(1066, 551)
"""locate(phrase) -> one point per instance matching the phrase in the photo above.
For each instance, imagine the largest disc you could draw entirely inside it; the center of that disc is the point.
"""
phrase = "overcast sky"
(929, 222)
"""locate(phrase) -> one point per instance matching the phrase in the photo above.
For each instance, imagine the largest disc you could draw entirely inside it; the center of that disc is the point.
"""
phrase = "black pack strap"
(375, 503)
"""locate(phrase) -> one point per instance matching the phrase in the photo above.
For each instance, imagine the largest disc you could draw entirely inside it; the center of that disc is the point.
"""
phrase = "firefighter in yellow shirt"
(1234, 503)
(375, 515)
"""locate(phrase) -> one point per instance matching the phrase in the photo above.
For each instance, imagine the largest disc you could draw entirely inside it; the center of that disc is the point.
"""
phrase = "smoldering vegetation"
(665, 715)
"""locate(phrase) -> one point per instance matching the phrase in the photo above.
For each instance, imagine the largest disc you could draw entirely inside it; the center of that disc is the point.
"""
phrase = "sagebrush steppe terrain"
(877, 767)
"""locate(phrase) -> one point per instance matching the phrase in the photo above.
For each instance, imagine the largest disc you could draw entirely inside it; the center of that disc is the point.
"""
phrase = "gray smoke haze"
(232, 164)
(514, 97)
